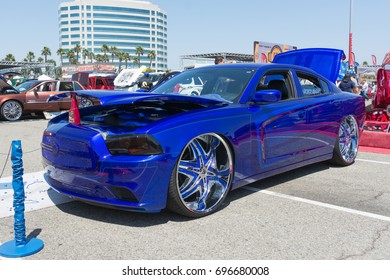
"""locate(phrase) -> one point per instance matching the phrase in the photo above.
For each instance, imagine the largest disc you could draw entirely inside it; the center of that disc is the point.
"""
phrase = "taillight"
(74, 113)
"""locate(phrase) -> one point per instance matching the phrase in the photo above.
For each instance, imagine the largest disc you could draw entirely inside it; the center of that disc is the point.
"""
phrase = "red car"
(31, 97)
(381, 99)
(95, 81)
(379, 117)
(101, 82)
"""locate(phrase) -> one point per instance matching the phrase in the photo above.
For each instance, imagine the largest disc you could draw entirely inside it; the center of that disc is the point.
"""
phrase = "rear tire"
(347, 144)
(202, 177)
(85, 102)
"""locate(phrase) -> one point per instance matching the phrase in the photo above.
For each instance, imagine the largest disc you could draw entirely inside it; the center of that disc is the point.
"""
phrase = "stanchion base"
(10, 250)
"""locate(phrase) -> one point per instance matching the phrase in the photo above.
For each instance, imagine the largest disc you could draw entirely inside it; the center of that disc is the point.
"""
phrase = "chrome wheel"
(11, 110)
(346, 149)
(202, 177)
(85, 102)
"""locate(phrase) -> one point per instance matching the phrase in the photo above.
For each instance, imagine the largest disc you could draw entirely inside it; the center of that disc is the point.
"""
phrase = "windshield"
(27, 85)
(225, 84)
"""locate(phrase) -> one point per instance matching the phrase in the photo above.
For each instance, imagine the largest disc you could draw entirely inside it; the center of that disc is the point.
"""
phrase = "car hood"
(108, 98)
(326, 62)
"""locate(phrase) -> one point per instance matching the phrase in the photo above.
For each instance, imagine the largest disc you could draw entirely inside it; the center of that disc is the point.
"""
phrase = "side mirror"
(267, 96)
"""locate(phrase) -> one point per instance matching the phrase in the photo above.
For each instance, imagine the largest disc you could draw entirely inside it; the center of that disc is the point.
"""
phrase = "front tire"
(11, 110)
(202, 177)
(347, 144)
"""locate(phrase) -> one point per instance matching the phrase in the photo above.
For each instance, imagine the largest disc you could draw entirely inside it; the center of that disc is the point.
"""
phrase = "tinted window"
(77, 86)
(27, 85)
(276, 80)
(66, 86)
(310, 85)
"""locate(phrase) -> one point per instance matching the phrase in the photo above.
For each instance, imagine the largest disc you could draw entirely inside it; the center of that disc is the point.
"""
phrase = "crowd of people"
(350, 84)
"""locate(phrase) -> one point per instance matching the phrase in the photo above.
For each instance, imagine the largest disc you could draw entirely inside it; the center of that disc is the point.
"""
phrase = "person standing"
(364, 90)
(354, 80)
(219, 60)
(347, 84)
(9, 79)
(145, 82)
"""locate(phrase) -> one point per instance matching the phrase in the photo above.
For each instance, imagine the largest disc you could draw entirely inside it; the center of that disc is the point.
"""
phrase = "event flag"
(373, 59)
(386, 60)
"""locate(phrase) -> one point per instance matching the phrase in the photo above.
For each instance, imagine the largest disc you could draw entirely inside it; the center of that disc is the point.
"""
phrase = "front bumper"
(137, 184)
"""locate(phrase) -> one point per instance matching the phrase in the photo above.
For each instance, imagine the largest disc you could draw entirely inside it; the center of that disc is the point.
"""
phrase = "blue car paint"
(263, 139)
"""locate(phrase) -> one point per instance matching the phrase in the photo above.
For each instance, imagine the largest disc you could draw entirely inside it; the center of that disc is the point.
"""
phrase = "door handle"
(337, 104)
(302, 114)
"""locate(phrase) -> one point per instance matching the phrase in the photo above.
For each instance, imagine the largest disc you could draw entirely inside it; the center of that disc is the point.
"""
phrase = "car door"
(323, 113)
(65, 86)
(36, 98)
(280, 126)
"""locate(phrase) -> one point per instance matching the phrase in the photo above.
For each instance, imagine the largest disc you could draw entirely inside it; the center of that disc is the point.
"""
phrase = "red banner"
(386, 60)
(373, 59)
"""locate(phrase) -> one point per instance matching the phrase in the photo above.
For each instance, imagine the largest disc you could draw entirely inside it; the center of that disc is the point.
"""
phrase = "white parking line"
(321, 204)
(374, 161)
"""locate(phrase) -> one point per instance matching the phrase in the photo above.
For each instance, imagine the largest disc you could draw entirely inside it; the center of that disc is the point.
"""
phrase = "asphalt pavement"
(318, 212)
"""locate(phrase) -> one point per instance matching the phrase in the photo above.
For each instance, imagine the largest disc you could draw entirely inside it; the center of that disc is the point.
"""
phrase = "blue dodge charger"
(186, 150)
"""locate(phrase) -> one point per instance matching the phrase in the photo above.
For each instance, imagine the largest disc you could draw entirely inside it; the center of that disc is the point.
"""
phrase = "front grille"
(69, 153)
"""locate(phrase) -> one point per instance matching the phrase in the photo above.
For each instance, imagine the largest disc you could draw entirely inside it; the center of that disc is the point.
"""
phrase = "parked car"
(381, 98)
(148, 151)
(127, 79)
(165, 77)
(94, 80)
(101, 82)
(192, 87)
(379, 117)
(31, 97)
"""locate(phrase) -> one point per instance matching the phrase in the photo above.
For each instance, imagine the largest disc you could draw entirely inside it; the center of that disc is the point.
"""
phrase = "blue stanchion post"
(20, 246)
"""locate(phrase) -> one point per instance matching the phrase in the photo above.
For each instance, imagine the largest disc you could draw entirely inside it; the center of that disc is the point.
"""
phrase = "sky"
(209, 26)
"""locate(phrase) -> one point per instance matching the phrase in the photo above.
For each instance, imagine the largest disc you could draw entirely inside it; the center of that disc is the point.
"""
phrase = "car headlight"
(133, 145)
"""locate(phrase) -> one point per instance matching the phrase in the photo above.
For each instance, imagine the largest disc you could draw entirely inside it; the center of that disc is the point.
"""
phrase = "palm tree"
(151, 55)
(45, 52)
(136, 61)
(121, 57)
(77, 50)
(91, 56)
(113, 51)
(126, 58)
(139, 51)
(51, 70)
(99, 58)
(61, 53)
(105, 49)
(70, 55)
(52, 61)
(40, 59)
(9, 57)
(30, 56)
(85, 54)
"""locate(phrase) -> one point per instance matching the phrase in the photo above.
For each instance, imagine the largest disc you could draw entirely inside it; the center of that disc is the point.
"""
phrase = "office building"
(124, 24)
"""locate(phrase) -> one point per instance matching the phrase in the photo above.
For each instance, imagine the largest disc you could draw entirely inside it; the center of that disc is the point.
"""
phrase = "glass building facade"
(125, 24)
